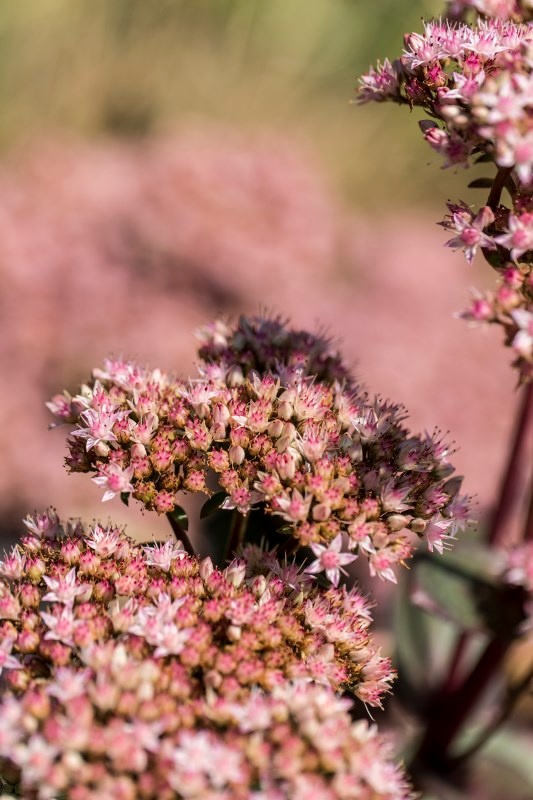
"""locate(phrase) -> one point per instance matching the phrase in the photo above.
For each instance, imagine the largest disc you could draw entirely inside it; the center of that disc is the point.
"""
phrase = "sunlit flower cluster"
(275, 419)
(120, 661)
(510, 305)
(476, 83)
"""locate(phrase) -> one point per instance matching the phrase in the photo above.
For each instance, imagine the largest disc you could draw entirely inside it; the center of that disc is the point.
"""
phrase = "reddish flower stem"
(500, 182)
(513, 695)
(510, 487)
(453, 703)
(239, 523)
(449, 711)
(451, 680)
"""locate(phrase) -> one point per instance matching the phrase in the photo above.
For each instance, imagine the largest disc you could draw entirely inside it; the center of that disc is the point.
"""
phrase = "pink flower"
(104, 542)
(436, 533)
(519, 238)
(63, 590)
(330, 560)
(379, 84)
(7, 661)
(61, 626)
(115, 480)
(162, 555)
(470, 230)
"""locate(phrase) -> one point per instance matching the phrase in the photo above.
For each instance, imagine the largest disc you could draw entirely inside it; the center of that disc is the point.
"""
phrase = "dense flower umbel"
(77, 735)
(65, 589)
(119, 661)
(274, 416)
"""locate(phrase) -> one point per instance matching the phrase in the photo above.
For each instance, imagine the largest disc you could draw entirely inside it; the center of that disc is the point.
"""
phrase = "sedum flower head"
(133, 671)
(275, 418)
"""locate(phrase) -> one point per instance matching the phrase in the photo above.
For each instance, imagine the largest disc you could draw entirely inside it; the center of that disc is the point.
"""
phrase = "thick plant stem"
(449, 711)
(452, 678)
(237, 530)
(499, 184)
(453, 704)
(180, 535)
(513, 695)
(510, 487)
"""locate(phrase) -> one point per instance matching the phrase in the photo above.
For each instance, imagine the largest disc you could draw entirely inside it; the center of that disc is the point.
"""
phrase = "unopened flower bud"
(234, 633)
(236, 454)
(275, 428)
(206, 568)
(235, 573)
(418, 525)
(101, 449)
(70, 552)
(35, 569)
(235, 376)
(138, 450)
(29, 596)
(259, 585)
(321, 512)
(396, 522)
(285, 410)
(213, 679)
(28, 641)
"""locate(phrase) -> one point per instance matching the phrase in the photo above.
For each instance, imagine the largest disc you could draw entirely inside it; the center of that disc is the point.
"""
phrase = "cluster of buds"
(476, 80)
(132, 671)
(275, 420)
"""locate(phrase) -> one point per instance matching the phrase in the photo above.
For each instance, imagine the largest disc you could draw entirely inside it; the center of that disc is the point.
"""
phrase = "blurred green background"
(134, 67)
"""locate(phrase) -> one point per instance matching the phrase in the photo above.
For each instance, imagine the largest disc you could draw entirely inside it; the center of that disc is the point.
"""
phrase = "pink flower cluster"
(132, 671)
(476, 81)
(510, 305)
(275, 419)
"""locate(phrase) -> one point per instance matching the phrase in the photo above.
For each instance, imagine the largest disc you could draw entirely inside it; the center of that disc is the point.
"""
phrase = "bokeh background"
(165, 162)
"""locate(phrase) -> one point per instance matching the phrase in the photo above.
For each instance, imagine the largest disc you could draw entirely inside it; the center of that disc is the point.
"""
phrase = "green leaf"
(412, 651)
(484, 158)
(448, 596)
(179, 515)
(481, 183)
(125, 497)
(213, 504)
(462, 589)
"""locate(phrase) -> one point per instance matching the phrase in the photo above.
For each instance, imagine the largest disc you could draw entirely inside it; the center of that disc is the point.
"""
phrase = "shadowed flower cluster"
(275, 419)
(132, 671)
